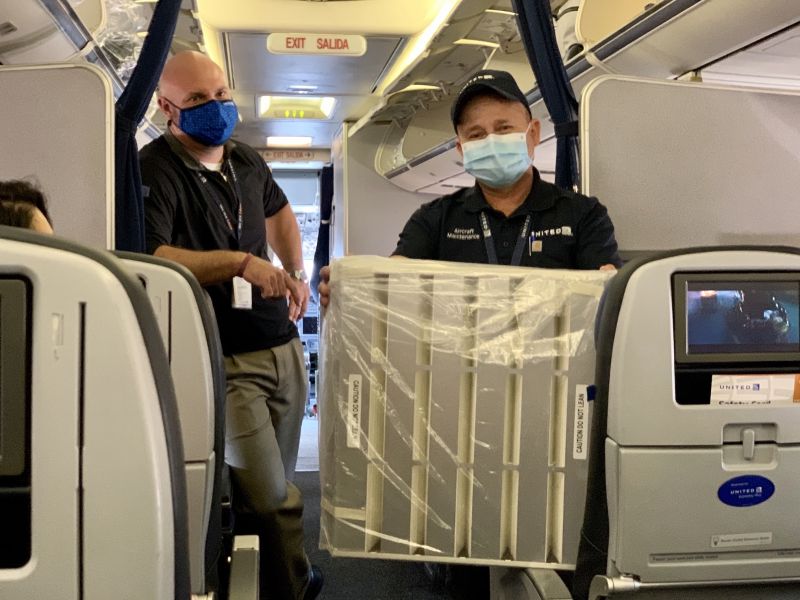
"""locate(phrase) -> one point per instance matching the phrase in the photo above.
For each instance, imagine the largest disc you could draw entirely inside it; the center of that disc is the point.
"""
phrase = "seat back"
(79, 185)
(694, 450)
(189, 330)
(95, 469)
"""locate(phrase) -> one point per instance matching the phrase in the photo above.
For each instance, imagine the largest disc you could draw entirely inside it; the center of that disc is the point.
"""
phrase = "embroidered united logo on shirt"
(565, 230)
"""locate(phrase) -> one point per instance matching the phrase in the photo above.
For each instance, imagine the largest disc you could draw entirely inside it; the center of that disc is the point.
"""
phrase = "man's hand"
(298, 299)
(324, 287)
(608, 267)
(276, 283)
(272, 281)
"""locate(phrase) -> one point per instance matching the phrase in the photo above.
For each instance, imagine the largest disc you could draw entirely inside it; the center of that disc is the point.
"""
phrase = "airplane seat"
(694, 457)
(91, 464)
(189, 329)
(220, 495)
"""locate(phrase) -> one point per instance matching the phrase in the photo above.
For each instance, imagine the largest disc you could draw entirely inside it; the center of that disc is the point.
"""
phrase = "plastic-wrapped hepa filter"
(454, 410)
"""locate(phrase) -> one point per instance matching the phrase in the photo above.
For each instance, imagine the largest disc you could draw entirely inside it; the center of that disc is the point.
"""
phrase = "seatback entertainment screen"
(740, 318)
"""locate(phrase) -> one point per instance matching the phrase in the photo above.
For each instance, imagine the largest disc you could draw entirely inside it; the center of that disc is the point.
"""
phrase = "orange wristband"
(243, 266)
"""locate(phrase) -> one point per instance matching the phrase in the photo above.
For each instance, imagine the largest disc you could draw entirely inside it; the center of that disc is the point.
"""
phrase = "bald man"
(211, 204)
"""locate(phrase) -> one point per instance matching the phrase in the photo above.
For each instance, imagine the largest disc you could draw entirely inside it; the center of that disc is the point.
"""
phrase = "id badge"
(242, 293)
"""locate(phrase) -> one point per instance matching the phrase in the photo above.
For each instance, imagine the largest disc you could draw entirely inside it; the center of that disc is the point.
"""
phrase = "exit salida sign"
(317, 43)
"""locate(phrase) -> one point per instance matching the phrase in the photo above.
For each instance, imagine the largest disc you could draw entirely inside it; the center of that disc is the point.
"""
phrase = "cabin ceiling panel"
(253, 69)
(391, 17)
(255, 133)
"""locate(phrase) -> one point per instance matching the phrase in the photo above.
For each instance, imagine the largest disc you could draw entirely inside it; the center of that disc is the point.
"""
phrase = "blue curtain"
(535, 22)
(130, 110)
(322, 254)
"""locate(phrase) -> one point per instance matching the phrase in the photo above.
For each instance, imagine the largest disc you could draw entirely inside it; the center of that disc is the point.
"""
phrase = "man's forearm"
(210, 267)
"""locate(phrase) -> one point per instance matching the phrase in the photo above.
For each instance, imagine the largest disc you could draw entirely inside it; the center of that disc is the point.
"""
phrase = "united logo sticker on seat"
(746, 490)
(737, 390)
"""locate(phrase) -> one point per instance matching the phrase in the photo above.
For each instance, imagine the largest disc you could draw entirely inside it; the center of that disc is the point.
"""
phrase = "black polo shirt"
(568, 230)
(183, 208)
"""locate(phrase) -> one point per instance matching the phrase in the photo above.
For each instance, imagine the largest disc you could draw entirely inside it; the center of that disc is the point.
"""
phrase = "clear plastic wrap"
(120, 39)
(454, 411)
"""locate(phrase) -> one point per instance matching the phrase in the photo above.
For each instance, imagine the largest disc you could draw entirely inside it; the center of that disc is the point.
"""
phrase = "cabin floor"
(365, 579)
(350, 578)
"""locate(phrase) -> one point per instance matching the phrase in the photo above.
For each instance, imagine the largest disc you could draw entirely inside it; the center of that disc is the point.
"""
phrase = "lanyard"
(491, 252)
(237, 192)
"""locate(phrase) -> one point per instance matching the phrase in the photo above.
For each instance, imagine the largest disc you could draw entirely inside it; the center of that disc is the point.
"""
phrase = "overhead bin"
(598, 19)
(449, 185)
(29, 35)
(439, 169)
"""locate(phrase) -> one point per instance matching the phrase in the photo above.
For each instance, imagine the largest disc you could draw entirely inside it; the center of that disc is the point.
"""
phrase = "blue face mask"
(497, 160)
(210, 123)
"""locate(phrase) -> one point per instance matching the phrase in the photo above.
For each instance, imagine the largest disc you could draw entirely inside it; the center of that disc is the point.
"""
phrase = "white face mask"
(498, 160)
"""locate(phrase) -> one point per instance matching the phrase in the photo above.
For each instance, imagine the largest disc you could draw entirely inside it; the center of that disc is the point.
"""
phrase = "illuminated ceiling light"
(296, 107)
(419, 87)
(327, 105)
(482, 43)
(497, 11)
(303, 89)
(288, 141)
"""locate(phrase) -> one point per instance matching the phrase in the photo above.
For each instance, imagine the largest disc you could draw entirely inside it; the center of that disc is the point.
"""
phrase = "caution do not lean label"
(354, 392)
(580, 442)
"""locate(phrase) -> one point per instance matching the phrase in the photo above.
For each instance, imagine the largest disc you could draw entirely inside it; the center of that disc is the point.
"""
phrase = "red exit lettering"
(296, 42)
(333, 44)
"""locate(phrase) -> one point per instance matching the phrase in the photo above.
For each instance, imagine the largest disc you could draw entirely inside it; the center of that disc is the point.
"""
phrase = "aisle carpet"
(354, 578)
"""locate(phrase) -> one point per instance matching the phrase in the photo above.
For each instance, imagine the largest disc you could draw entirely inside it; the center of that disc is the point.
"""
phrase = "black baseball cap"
(501, 83)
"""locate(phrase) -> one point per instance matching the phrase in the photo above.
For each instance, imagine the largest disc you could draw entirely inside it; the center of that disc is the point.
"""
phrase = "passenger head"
(491, 104)
(23, 205)
(195, 97)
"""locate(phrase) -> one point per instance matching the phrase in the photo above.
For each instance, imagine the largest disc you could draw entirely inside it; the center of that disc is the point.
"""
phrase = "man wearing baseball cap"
(510, 216)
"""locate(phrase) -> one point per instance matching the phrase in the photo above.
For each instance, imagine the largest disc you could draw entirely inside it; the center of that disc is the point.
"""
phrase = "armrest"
(244, 568)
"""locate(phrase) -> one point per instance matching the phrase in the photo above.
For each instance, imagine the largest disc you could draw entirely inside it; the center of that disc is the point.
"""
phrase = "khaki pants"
(266, 400)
